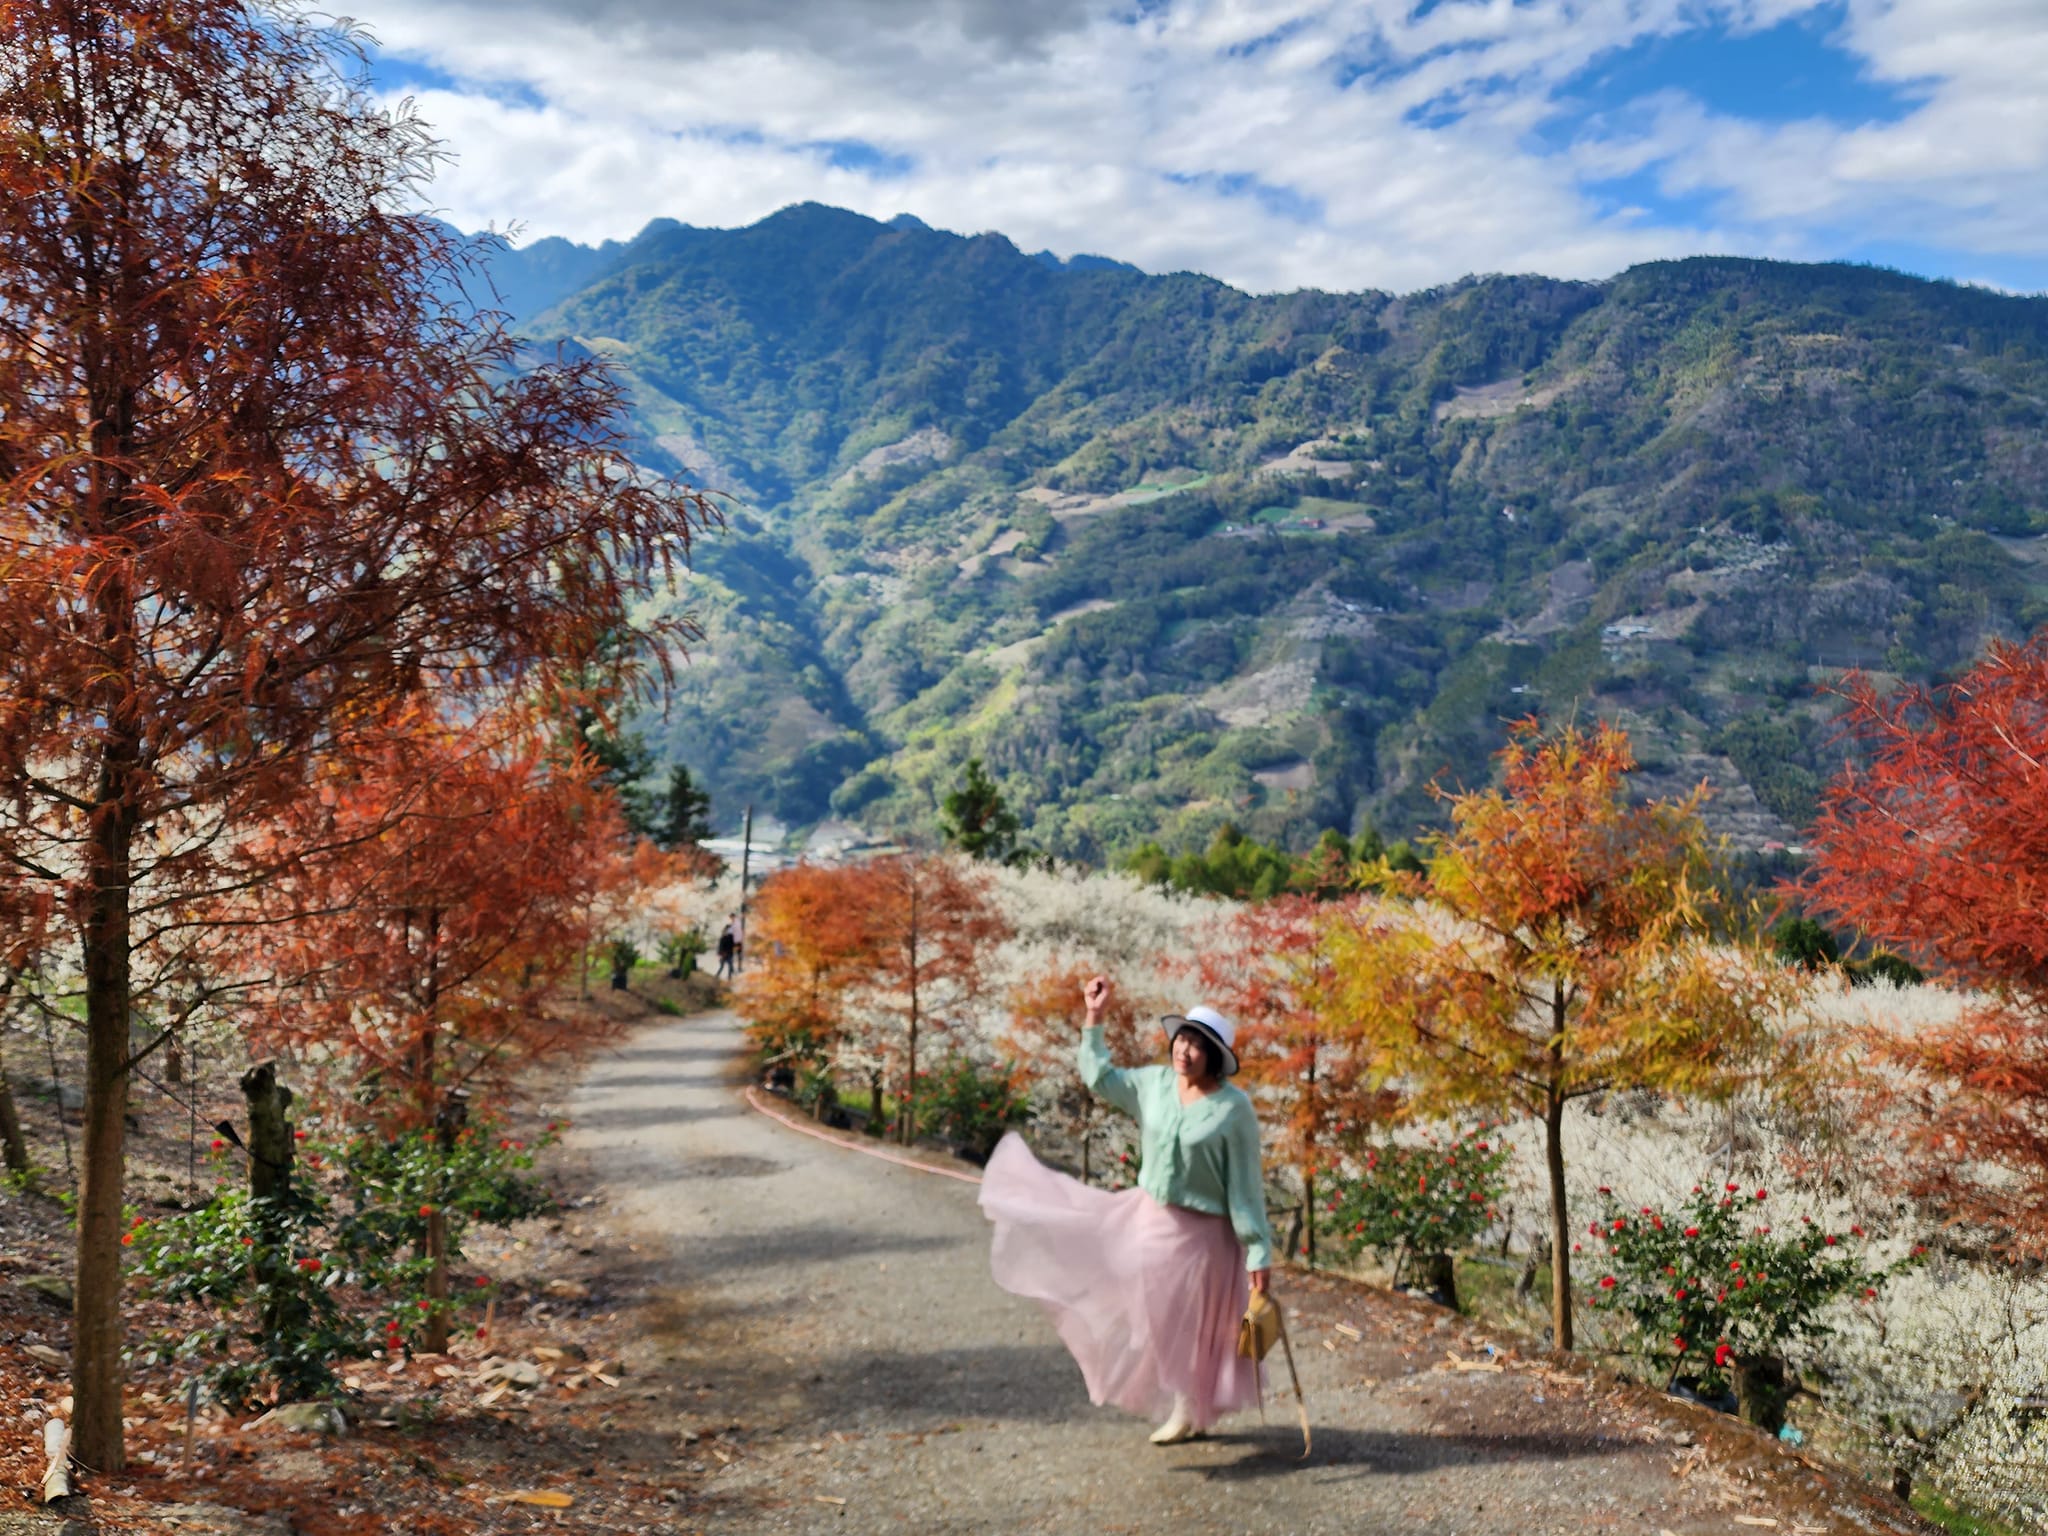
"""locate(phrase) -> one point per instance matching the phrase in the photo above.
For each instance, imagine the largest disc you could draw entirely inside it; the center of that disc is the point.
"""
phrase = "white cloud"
(1219, 135)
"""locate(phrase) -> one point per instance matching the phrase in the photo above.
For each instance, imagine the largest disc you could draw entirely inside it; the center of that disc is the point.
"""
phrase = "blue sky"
(1273, 143)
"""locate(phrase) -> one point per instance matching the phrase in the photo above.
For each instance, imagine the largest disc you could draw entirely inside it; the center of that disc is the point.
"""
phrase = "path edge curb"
(755, 1103)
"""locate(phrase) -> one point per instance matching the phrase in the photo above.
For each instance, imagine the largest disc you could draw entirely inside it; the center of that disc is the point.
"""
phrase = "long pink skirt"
(1146, 1297)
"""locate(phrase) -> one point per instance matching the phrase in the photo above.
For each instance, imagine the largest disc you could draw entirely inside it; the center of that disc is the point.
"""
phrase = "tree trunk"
(1560, 1219)
(1308, 1215)
(1553, 1163)
(270, 1189)
(11, 1141)
(1762, 1391)
(875, 1126)
(96, 1371)
(910, 1076)
(1437, 1274)
(270, 1133)
(448, 1123)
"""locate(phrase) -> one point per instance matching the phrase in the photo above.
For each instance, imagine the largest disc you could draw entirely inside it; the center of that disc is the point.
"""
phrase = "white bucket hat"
(1206, 1021)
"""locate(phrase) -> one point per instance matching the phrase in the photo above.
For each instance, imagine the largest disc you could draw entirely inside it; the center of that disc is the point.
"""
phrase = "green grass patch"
(1958, 1522)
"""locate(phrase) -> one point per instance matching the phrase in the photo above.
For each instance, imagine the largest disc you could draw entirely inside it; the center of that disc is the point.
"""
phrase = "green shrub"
(1406, 1200)
(292, 1286)
(1711, 1287)
(971, 1106)
(268, 1273)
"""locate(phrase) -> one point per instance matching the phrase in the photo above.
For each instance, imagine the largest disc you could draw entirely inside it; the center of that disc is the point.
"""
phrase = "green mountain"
(1164, 554)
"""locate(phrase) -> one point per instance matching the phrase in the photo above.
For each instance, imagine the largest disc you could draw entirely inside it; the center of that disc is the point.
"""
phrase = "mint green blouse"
(1203, 1155)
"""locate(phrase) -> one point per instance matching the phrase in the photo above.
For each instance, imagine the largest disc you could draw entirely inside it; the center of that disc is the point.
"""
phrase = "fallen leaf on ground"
(542, 1498)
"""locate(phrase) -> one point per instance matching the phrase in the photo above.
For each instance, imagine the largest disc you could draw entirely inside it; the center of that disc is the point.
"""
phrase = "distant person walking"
(728, 950)
(1146, 1285)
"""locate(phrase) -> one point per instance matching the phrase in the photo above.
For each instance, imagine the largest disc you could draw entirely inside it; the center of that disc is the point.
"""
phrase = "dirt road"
(843, 1364)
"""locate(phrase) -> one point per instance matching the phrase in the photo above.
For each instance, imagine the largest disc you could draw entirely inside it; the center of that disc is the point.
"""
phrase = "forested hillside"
(1164, 554)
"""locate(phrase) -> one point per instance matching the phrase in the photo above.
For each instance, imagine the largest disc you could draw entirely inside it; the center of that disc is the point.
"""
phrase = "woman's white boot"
(1177, 1428)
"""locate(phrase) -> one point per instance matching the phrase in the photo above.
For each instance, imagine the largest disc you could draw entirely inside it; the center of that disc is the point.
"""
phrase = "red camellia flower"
(309, 1265)
(1692, 1231)
(426, 1210)
(218, 1144)
(1670, 1269)
(1680, 1343)
(1855, 1231)
(298, 1135)
(1646, 1210)
(1679, 1294)
(1918, 1249)
(1723, 1354)
(1732, 1188)
(1735, 1263)
(1619, 1223)
(1605, 1190)
(1576, 1247)
(1657, 1222)
(1607, 1282)
(127, 1238)
(1869, 1294)
(421, 1305)
(1829, 1239)
(482, 1281)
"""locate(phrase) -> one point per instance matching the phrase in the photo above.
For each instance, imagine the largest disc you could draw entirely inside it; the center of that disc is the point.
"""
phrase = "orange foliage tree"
(1273, 975)
(809, 939)
(1559, 948)
(932, 922)
(451, 894)
(1046, 1015)
(455, 875)
(1940, 847)
(263, 467)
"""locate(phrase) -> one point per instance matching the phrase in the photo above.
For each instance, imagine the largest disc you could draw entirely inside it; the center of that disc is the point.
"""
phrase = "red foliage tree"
(450, 892)
(810, 944)
(1939, 847)
(1272, 974)
(1046, 1015)
(263, 469)
(931, 921)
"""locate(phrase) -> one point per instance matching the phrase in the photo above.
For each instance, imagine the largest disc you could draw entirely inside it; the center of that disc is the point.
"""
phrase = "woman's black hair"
(1212, 1053)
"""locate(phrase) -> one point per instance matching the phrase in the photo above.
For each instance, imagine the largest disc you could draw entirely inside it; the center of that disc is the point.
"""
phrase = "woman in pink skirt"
(1146, 1285)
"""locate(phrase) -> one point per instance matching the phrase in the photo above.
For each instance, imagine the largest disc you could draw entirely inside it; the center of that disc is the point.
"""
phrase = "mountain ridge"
(1165, 554)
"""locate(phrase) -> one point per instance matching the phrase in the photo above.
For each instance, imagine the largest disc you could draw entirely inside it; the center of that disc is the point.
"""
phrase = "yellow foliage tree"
(1559, 946)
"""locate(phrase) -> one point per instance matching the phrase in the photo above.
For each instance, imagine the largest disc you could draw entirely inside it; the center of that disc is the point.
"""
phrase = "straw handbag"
(1256, 1331)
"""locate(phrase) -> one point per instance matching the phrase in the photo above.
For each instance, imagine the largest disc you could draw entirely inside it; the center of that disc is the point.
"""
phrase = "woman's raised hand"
(1095, 993)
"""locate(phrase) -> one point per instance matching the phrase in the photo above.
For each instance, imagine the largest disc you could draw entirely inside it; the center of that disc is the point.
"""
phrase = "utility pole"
(739, 959)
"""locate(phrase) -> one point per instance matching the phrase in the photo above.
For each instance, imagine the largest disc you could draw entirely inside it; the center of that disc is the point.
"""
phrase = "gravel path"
(844, 1364)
